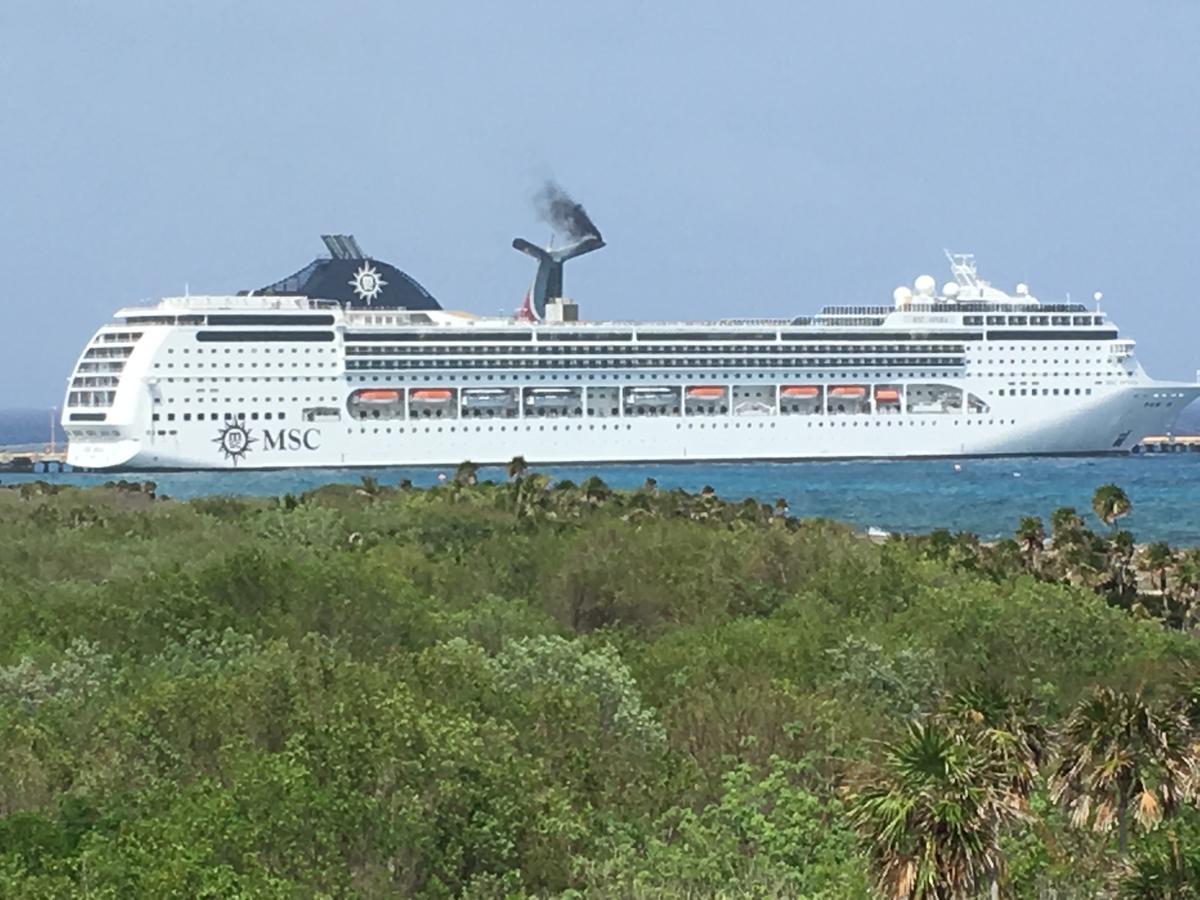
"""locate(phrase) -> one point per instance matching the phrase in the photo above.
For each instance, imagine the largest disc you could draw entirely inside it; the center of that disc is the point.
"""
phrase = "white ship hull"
(1113, 423)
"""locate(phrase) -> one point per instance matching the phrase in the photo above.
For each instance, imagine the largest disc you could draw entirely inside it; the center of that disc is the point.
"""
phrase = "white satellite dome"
(925, 285)
(902, 295)
(950, 290)
(1022, 290)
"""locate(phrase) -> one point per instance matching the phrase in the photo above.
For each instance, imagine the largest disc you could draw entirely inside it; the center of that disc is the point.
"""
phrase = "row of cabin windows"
(651, 376)
(1028, 373)
(849, 422)
(1059, 374)
(1046, 392)
(832, 409)
(1076, 351)
(551, 413)
(1084, 321)
(189, 399)
(642, 350)
(1033, 361)
(775, 374)
(107, 352)
(876, 376)
(241, 379)
(257, 351)
(217, 417)
(91, 398)
(253, 365)
(648, 363)
(598, 408)
(94, 381)
(549, 350)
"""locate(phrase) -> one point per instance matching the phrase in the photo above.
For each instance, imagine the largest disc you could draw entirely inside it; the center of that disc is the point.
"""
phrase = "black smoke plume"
(557, 208)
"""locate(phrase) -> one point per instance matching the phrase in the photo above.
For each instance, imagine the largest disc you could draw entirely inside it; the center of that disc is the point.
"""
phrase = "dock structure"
(1169, 443)
(23, 459)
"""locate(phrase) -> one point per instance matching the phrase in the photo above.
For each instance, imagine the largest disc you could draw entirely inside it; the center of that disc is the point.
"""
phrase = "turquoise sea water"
(984, 496)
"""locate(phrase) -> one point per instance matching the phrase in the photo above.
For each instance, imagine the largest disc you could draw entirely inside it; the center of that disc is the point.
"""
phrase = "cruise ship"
(351, 362)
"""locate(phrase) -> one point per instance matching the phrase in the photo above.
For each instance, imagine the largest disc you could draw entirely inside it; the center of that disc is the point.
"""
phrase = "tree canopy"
(537, 689)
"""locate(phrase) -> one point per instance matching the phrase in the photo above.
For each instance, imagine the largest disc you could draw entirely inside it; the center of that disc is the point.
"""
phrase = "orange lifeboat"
(850, 391)
(887, 395)
(377, 396)
(705, 393)
(431, 395)
(798, 391)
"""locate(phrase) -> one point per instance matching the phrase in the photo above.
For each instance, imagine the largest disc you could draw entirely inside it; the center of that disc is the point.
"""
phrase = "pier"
(17, 459)
(1169, 443)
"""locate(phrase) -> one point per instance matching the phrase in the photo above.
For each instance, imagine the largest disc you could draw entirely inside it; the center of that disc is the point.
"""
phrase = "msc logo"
(291, 439)
(235, 440)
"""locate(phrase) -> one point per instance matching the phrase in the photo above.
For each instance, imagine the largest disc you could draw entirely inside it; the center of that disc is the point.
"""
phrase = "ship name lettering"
(291, 439)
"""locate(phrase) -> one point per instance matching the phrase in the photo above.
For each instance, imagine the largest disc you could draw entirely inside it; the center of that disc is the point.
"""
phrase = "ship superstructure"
(350, 362)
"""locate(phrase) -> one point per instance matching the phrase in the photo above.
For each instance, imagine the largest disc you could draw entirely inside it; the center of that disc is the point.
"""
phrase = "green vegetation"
(527, 689)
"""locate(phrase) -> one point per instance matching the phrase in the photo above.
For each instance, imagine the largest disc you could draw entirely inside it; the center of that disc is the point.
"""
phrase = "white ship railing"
(671, 323)
(245, 301)
(400, 317)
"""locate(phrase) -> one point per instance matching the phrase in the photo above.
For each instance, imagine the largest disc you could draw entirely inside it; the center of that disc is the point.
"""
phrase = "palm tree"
(1031, 535)
(1121, 584)
(1067, 530)
(1075, 557)
(968, 550)
(595, 490)
(1122, 757)
(517, 468)
(466, 473)
(1110, 503)
(933, 813)
(1002, 559)
(1187, 586)
(1065, 523)
(1188, 700)
(1158, 558)
(1167, 867)
(530, 494)
(369, 488)
(1006, 726)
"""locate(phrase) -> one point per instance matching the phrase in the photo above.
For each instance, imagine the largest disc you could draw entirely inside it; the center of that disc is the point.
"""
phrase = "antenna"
(962, 266)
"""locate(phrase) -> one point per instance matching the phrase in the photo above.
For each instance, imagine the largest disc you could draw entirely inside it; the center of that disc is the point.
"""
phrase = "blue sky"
(754, 161)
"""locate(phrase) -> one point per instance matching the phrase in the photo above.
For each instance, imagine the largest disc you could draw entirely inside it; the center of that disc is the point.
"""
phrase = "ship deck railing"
(247, 301)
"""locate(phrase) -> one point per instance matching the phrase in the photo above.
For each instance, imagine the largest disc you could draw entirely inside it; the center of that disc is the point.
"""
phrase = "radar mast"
(962, 266)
